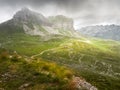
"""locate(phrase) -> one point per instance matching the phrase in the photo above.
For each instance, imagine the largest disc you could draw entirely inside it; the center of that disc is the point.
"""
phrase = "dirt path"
(33, 56)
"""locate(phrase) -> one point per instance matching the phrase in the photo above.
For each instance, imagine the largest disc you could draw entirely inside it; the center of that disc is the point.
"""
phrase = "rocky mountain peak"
(26, 15)
(23, 13)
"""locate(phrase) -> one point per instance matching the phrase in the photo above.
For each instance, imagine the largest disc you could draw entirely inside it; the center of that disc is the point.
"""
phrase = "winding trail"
(33, 56)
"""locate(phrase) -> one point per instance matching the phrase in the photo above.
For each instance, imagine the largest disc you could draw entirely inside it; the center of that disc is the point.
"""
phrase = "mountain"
(105, 32)
(43, 53)
(33, 23)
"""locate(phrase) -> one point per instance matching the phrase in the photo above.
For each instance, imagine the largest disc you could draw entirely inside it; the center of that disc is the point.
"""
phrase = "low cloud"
(84, 12)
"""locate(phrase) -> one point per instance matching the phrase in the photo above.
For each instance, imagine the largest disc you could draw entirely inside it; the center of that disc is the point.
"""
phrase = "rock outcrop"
(80, 84)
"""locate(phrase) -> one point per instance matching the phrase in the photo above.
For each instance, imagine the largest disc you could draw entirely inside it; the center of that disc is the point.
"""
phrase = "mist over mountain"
(102, 31)
(84, 12)
(34, 23)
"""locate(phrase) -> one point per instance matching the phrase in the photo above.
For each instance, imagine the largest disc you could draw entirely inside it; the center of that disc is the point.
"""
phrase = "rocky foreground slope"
(23, 73)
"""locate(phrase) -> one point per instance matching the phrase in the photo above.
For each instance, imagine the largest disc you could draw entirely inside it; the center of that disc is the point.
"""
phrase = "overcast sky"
(84, 12)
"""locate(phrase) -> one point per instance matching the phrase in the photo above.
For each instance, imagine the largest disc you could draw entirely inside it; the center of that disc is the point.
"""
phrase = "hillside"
(104, 32)
(18, 73)
(24, 73)
(95, 60)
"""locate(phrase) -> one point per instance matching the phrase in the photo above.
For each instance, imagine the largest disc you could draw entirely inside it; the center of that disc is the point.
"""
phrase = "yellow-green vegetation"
(29, 45)
(95, 60)
(18, 72)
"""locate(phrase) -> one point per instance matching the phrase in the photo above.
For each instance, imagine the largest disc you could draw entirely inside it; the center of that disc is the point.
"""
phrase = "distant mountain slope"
(105, 32)
(33, 23)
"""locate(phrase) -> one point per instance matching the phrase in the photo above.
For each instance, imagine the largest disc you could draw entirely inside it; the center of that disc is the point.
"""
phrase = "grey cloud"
(86, 12)
(64, 4)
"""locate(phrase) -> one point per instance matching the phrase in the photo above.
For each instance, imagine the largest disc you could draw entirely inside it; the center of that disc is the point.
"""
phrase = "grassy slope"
(18, 72)
(95, 60)
(28, 45)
